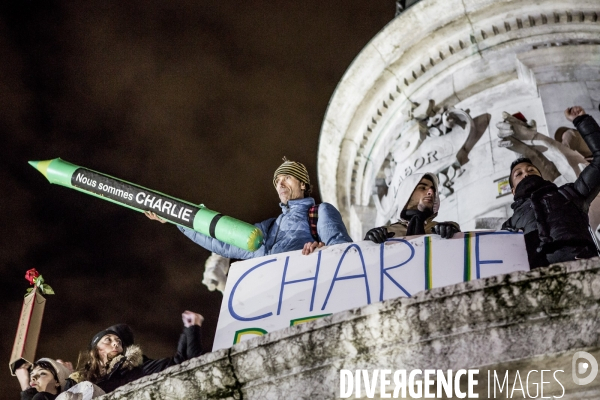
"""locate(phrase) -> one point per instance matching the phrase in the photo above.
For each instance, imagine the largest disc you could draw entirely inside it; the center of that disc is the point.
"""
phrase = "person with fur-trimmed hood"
(113, 360)
(418, 196)
(555, 219)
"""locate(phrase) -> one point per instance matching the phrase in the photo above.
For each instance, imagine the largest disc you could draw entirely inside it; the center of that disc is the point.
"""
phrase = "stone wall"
(523, 321)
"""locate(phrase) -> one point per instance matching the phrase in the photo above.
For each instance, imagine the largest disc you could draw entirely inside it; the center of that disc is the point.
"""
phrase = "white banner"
(273, 292)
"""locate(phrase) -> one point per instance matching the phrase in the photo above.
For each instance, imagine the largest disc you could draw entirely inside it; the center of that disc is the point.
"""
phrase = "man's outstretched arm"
(588, 183)
(211, 244)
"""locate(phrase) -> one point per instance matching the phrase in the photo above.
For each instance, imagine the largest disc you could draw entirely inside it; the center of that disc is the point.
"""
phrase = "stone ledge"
(534, 318)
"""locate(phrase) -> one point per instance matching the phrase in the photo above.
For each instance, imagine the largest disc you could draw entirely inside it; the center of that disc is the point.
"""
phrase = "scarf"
(416, 221)
(530, 184)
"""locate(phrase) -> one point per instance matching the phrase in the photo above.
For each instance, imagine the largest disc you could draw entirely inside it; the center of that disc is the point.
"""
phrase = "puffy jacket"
(554, 219)
(133, 364)
(289, 231)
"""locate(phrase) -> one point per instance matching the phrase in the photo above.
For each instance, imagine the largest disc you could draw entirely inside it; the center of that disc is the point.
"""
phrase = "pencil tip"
(41, 166)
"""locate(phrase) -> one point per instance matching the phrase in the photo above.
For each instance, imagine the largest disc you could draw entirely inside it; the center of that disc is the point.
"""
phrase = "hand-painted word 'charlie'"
(296, 288)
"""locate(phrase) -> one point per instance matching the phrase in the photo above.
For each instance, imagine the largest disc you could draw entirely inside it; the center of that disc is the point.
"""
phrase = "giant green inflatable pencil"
(196, 217)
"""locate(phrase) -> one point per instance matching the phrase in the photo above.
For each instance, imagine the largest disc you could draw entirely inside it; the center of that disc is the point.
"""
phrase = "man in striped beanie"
(291, 181)
(302, 225)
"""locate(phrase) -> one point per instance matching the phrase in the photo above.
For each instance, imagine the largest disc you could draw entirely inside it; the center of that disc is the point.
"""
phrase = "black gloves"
(379, 235)
(445, 229)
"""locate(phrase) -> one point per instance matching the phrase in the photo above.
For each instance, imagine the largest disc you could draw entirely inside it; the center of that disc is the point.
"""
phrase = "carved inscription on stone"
(431, 144)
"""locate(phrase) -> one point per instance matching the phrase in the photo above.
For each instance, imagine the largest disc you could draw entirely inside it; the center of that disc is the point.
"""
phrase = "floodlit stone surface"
(529, 56)
(518, 322)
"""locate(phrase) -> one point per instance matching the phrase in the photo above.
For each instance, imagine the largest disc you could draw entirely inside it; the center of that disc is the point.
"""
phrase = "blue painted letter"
(478, 261)
(284, 282)
(230, 303)
(384, 271)
(335, 276)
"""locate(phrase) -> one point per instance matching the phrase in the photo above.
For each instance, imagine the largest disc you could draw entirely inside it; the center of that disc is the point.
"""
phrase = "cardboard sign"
(28, 331)
(273, 292)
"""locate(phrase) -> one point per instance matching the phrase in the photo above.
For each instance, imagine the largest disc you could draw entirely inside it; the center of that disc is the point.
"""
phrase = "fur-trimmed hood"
(130, 359)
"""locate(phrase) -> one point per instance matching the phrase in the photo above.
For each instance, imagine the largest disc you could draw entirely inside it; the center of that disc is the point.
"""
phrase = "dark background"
(197, 99)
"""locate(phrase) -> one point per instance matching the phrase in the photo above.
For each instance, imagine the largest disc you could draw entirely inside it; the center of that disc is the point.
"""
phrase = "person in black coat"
(555, 219)
(113, 360)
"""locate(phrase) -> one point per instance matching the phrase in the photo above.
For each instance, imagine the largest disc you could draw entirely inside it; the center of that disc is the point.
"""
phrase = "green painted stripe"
(248, 331)
(428, 264)
(468, 259)
(299, 321)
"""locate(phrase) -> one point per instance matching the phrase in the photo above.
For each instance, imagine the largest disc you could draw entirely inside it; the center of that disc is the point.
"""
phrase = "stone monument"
(428, 92)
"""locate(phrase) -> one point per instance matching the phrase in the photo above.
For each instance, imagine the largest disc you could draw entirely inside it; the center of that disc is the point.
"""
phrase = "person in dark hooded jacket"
(418, 202)
(555, 219)
(114, 360)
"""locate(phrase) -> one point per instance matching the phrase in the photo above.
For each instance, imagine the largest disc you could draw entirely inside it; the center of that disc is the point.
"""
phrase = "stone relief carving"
(501, 28)
(523, 138)
(438, 141)
(436, 123)
(216, 268)
(566, 165)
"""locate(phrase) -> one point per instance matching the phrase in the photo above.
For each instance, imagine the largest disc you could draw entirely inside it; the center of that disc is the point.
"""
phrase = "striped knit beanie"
(293, 168)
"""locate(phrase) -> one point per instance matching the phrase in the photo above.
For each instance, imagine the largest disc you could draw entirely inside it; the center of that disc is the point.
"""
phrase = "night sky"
(197, 99)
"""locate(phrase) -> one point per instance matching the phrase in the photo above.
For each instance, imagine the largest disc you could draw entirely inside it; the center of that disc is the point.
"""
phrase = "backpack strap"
(313, 218)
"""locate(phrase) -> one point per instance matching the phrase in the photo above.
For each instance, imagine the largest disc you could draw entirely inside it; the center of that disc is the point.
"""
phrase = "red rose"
(31, 275)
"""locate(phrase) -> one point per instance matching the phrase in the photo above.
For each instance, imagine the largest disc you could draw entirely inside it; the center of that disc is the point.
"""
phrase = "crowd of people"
(111, 360)
(554, 221)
